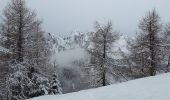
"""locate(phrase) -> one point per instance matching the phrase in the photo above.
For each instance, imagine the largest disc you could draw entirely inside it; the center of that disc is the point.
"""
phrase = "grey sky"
(64, 16)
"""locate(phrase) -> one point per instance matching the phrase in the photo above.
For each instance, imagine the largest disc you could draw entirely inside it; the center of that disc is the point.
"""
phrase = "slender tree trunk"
(152, 55)
(142, 63)
(104, 58)
(20, 40)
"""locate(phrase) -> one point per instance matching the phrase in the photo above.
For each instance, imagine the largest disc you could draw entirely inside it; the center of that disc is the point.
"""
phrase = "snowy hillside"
(151, 88)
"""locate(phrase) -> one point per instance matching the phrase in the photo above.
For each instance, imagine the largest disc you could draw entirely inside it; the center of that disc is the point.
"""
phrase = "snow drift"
(150, 88)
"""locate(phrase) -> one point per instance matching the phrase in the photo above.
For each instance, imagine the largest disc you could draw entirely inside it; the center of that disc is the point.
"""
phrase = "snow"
(150, 88)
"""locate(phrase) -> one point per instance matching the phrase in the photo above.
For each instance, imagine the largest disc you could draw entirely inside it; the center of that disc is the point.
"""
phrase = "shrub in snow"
(24, 83)
(55, 86)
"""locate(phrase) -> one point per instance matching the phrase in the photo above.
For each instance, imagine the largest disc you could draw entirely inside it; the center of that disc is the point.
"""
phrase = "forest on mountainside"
(34, 62)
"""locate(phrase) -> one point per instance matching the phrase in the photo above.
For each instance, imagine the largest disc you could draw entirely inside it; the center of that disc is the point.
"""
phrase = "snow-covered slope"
(151, 88)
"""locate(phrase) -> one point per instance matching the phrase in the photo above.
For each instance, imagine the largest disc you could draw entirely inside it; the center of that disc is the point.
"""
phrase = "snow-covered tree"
(101, 44)
(29, 59)
(4, 71)
(145, 49)
(55, 86)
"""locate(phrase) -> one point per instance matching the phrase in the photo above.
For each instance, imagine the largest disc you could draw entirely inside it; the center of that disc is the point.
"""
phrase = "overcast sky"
(64, 16)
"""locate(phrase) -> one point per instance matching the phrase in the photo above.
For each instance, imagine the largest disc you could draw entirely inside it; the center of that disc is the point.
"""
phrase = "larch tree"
(29, 56)
(17, 20)
(148, 42)
(101, 44)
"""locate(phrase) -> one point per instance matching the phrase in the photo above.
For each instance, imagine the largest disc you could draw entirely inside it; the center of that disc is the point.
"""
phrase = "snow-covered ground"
(151, 88)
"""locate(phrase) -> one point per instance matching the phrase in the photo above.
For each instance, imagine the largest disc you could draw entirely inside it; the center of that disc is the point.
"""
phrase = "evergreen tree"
(55, 86)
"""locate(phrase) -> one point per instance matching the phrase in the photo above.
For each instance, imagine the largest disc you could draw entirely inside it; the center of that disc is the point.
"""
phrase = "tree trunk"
(20, 40)
(152, 53)
(104, 58)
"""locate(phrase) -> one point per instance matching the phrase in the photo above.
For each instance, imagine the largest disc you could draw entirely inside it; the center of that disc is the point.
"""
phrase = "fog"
(68, 57)
(64, 16)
